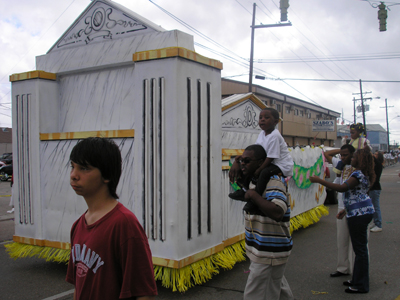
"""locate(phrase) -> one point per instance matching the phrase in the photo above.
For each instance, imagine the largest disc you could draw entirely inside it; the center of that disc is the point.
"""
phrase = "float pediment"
(241, 112)
(104, 20)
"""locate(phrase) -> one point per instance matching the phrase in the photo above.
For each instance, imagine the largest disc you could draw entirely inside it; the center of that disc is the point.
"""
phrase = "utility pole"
(387, 124)
(284, 5)
(252, 49)
(362, 104)
(362, 107)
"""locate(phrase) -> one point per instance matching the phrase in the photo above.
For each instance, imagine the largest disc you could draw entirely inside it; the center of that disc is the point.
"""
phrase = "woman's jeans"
(374, 195)
(358, 227)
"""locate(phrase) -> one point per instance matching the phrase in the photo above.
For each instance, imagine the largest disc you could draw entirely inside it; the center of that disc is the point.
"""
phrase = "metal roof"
(370, 127)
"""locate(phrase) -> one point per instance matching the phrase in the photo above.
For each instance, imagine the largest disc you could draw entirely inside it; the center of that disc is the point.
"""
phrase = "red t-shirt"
(111, 259)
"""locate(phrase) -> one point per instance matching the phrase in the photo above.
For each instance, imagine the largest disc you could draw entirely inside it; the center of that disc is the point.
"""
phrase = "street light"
(363, 108)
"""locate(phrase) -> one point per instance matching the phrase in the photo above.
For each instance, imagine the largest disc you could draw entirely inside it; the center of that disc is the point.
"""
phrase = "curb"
(7, 217)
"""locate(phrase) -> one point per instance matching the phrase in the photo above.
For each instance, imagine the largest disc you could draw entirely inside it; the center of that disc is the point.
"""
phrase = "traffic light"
(382, 16)
(284, 5)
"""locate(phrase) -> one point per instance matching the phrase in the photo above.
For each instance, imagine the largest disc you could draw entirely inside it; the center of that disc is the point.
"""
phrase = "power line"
(331, 59)
(307, 50)
(315, 79)
(341, 80)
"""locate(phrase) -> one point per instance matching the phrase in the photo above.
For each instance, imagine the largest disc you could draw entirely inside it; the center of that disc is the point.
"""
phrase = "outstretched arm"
(341, 188)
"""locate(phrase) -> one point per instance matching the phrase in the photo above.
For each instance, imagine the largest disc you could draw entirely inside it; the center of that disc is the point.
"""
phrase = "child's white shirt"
(276, 148)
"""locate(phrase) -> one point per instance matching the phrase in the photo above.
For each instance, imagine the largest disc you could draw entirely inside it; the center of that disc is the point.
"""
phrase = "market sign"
(323, 125)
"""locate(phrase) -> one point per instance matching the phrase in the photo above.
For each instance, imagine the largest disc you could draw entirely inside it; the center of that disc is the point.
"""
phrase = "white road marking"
(58, 296)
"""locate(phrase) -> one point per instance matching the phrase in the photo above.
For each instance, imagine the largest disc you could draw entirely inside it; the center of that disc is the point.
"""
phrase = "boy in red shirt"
(110, 255)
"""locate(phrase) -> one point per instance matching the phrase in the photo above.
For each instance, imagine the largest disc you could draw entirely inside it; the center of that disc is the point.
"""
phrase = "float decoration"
(148, 90)
(301, 175)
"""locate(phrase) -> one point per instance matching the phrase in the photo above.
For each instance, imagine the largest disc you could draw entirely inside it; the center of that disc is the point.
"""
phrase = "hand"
(234, 172)
(341, 214)
(250, 195)
(257, 173)
(314, 179)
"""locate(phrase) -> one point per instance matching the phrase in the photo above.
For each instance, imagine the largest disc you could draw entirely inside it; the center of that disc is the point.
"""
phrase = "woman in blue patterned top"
(359, 212)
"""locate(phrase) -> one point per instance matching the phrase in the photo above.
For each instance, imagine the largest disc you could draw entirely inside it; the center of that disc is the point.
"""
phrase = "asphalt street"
(313, 259)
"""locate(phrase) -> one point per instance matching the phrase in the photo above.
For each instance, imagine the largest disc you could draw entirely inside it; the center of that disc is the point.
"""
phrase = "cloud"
(319, 29)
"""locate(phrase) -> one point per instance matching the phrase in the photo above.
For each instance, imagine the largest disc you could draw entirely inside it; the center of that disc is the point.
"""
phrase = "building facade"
(5, 140)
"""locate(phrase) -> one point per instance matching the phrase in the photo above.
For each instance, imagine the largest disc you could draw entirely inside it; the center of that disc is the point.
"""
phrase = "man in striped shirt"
(268, 240)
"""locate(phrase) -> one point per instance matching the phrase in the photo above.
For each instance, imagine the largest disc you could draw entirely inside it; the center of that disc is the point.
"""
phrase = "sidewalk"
(6, 219)
(5, 194)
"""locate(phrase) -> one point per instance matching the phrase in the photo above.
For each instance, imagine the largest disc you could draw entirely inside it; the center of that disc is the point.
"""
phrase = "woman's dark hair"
(103, 154)
(380, 157)
(273, 111)
(366, 163)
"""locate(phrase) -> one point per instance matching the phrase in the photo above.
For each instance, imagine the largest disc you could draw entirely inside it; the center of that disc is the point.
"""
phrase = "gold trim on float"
(174, 52)
(227, 156)
(41, 243)
(251, 97)
(232, 152)
(164, 262)
(85, 134)
(33, 75)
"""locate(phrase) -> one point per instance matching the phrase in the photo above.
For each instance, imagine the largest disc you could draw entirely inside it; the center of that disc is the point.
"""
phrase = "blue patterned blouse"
(356, 201)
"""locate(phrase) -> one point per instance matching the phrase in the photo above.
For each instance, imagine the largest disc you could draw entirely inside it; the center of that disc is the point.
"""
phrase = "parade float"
(115, 74)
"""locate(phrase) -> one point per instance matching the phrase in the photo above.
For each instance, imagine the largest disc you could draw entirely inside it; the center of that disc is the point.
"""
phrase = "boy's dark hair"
(259, 151)
(103, 154)
(273, 111)
(348, 147)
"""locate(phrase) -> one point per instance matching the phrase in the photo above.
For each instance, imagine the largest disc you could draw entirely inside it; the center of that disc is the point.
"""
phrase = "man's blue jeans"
(374, 195)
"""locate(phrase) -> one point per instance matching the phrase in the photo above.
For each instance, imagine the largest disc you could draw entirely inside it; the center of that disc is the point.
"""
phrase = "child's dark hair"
(366, 163)
(348, 147)
(359, 127)
(259, 151)
(103, 154)
(273, 111)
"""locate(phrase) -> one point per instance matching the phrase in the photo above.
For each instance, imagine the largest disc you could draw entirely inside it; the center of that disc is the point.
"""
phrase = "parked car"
(6, 172)
(5, 155)
(6, 158)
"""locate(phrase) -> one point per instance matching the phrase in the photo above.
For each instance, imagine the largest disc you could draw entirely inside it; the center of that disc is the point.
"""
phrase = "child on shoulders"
(358, 141)
(277, 162)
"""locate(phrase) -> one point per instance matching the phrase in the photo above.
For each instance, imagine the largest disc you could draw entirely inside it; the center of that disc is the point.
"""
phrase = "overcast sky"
(324, 35)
